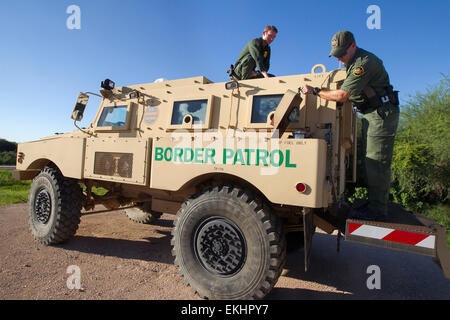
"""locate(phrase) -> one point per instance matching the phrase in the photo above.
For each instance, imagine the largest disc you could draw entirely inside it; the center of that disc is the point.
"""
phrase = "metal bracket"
(308, 234)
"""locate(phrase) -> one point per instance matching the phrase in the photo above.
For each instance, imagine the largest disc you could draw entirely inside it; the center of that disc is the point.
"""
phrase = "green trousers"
(378, 146)
(245, 68)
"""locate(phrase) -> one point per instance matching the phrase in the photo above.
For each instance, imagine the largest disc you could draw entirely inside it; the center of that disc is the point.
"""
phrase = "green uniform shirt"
(254, 55)
(365, 69)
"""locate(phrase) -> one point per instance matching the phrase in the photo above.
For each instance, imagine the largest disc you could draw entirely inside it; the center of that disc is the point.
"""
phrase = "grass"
(11, 190)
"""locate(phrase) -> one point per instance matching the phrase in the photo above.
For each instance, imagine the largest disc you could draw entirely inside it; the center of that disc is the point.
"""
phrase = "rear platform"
(403, 231)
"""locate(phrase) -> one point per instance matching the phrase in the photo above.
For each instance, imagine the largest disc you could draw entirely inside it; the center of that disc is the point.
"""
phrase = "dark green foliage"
(7, 152)
(421, 164)
(8, 158)
(6, 145)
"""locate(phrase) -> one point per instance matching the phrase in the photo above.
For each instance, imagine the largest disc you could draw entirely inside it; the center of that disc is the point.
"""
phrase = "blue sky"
(44, 65)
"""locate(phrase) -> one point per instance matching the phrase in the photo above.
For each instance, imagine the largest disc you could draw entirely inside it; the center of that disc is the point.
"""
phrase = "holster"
(231, 73)
(375, 101)
(393, 95)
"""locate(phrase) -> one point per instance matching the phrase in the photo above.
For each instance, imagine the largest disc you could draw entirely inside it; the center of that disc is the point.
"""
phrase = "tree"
(6, 145)
(8, 152)
(421, 162)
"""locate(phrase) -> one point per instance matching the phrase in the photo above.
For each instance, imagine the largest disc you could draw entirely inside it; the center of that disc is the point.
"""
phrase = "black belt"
(375, 101)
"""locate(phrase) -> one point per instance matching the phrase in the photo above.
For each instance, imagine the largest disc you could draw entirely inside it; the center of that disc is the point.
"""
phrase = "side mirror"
(78, 111)
(231, 85)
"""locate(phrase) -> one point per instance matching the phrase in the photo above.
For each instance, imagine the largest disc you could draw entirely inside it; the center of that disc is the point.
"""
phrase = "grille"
(113, 164)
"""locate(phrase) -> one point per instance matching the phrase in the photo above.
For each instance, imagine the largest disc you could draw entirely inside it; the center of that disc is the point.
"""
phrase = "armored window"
(113, 116)
(195, 108)
(263, 105)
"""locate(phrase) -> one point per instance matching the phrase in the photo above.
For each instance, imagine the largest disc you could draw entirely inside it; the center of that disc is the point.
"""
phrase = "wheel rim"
(220, 246)
(43, 205)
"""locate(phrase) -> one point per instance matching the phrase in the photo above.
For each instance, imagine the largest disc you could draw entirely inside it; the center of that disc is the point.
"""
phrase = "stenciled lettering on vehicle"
(226, 156)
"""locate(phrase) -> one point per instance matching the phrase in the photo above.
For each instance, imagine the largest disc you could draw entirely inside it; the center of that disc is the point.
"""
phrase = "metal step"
(403, 231)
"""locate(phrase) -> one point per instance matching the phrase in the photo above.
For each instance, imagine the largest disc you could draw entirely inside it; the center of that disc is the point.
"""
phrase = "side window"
(263, 105)
(113, 116)
(194, 108)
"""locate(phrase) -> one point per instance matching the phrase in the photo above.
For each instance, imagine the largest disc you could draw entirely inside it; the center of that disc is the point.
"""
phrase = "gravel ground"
(119, 259)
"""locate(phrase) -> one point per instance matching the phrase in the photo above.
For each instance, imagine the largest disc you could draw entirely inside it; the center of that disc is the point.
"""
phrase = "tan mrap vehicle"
(250, 168)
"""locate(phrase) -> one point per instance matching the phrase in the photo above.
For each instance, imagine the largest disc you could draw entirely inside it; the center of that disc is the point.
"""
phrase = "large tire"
(228, 244)
(54, 207)
(143, 214)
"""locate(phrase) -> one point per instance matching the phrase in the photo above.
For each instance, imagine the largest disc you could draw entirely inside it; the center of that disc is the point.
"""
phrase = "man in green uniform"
(367, 86)
(256, 54)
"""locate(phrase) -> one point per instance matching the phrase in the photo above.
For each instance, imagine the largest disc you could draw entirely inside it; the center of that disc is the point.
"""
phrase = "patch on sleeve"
(358, 71)
(266, 53)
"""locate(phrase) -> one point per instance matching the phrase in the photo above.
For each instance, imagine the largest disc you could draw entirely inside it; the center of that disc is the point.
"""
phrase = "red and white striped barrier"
(393, 235)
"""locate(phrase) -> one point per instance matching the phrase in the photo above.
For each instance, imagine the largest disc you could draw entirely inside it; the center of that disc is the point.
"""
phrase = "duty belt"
(375, 101)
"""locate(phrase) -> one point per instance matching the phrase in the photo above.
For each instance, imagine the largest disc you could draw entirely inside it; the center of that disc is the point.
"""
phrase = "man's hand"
(255, 74)
(333, 95)
(305, 89)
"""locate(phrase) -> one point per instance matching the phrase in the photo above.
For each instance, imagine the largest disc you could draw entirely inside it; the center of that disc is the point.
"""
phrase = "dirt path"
(120, 259)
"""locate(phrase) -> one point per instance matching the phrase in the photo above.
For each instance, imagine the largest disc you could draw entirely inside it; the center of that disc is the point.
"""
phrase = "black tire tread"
(274, 233)
(68, 208)
(143, 214)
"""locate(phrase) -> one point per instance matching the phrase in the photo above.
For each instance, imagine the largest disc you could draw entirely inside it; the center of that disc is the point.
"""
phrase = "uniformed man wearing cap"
(367, 86)
(255, 55)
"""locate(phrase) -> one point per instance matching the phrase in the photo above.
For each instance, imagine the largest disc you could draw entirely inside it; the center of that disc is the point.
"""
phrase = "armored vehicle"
(250, 169)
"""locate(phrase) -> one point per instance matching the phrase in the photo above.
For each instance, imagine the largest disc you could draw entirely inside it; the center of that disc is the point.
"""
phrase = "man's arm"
(333, 95)
(254, 49)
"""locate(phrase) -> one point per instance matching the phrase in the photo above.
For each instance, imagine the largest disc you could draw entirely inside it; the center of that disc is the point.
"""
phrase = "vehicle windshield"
(114, 116)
